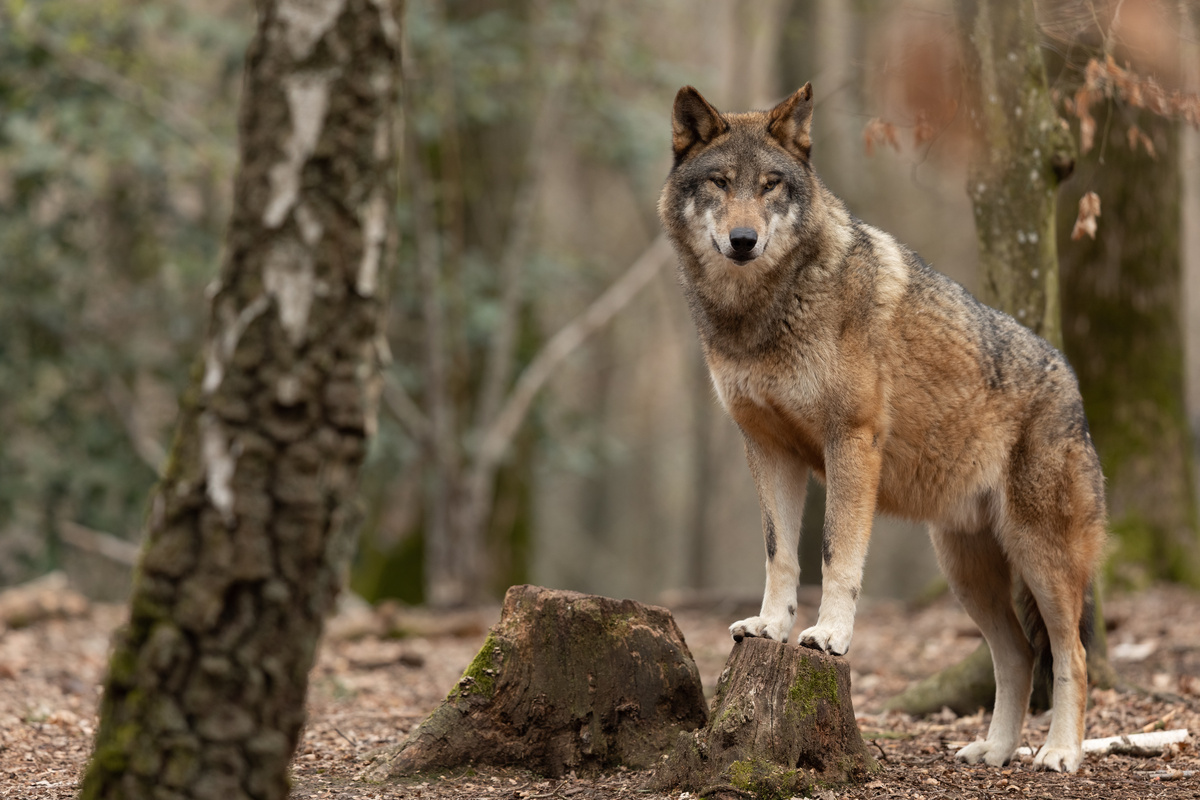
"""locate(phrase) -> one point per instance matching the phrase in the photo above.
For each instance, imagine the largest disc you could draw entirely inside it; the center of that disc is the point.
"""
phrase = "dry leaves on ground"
(369, 689)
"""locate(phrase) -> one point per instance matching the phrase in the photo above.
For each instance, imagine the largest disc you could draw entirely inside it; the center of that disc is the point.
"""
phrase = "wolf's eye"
(720, 183)
(770, 184)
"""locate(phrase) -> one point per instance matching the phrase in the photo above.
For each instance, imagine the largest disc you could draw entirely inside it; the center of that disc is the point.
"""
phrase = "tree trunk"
(1022, 149)
(565, 681)
(248, 534)
(782, 723)
(1124, 335)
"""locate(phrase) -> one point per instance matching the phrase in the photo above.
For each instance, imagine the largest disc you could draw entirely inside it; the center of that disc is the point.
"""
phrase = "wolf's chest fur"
(861, 347)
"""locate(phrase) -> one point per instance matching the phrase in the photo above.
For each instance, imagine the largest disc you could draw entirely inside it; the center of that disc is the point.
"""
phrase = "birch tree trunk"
(248, 534)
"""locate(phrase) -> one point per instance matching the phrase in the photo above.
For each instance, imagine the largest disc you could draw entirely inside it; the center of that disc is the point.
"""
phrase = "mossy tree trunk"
(1124, 336)
(1022, 149)
(248, 532)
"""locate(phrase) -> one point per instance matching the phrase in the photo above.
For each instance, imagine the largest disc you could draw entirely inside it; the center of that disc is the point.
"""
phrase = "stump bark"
(782, 724)
(565, 681)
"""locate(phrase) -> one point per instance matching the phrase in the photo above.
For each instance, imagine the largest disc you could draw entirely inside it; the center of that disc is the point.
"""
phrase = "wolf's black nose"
(742, 239)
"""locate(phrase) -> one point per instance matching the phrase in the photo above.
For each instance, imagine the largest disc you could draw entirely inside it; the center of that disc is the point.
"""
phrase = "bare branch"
(405, 410)
(152, 453)
(98, 542)
(501, 432)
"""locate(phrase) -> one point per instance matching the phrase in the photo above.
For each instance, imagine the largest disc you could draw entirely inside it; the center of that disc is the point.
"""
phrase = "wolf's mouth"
(735, 257)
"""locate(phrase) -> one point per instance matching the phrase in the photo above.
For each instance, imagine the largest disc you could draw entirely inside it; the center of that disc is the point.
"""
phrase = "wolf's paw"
(762, 628)
(1058, 759)
(830, 638)
(994, 754)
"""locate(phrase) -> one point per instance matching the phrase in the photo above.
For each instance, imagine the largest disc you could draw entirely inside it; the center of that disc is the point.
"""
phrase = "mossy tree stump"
(565, 681)
(781, 724)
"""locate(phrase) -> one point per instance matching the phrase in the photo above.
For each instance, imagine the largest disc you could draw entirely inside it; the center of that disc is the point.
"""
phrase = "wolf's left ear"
(693, 121)
(790, 122)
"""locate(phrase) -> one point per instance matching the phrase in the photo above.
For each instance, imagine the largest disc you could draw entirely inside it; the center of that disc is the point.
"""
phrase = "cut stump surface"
(565, 681)
(782, 724)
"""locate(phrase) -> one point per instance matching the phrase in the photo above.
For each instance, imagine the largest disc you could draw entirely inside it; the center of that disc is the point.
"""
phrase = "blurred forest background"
(546, 415)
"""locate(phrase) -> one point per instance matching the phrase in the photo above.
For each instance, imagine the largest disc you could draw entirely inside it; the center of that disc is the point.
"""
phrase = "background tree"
(248, 535)
(1123, 325)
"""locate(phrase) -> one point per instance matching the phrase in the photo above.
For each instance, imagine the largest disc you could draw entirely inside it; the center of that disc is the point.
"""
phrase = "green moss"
(767, 781)
(113, 756)
(122, 666)
(812, 684)
(853, 768)
(479, 678)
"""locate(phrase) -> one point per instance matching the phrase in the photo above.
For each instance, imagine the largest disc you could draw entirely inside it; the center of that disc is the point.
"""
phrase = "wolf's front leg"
(852, 473)
(781, 480)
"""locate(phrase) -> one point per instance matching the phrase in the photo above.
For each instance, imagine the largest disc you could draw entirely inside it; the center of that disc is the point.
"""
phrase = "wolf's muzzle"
(742, 240)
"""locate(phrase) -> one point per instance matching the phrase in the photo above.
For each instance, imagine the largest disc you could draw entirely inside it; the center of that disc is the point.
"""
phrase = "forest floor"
(369, 689)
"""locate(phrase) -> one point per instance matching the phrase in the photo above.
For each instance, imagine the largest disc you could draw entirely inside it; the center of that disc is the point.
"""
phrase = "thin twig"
(398, 403)
(149, 449)
(550, 793)
(499, 435)
(98, 542)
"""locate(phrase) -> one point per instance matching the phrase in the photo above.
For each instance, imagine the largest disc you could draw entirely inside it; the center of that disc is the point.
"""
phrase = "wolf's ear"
(790, 122)
(693, 121)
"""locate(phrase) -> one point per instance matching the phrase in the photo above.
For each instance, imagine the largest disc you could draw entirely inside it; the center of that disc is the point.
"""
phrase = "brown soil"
(368, 691)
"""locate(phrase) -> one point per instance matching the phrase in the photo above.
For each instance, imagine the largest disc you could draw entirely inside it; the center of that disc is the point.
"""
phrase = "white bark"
(290, 277)
(225, 341)
(219, 465)
(306, 21)
(308, 100)
(374, 221)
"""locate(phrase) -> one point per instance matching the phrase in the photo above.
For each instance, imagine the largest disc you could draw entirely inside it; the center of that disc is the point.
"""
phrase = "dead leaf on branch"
(1135, 135)
(879, 132)
(1106, 80)
(924, 130)
(1089, 209)
(1087, 123)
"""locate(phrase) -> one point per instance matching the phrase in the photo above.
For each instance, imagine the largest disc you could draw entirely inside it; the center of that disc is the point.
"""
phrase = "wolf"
(837, 351)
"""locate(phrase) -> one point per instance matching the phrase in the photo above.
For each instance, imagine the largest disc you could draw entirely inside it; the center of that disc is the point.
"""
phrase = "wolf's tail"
(1039, 637)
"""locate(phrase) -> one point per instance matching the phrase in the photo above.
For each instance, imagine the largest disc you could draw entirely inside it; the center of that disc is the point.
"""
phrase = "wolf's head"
(740, 186)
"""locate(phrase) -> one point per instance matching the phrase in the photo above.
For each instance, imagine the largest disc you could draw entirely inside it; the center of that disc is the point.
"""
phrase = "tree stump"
(565, 681)
(781, 725)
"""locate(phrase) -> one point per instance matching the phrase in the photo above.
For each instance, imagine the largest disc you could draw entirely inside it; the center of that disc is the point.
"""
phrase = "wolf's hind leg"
(1059, 595)
(781, 480)
(980, 576)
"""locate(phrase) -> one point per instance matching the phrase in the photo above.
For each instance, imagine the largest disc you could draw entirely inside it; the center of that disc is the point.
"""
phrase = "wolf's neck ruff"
(735, 304)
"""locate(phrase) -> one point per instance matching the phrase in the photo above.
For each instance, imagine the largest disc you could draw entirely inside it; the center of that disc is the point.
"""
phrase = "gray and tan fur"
(838, 351)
